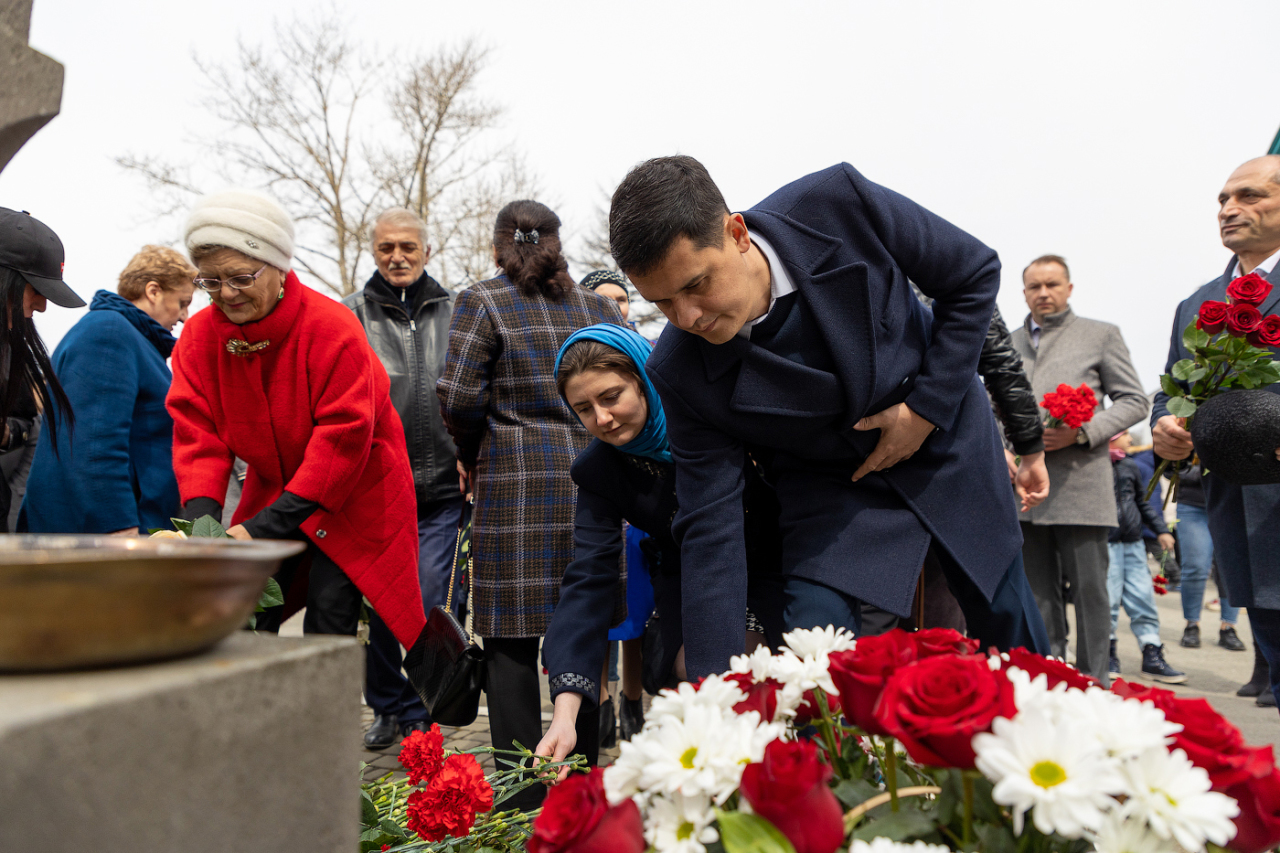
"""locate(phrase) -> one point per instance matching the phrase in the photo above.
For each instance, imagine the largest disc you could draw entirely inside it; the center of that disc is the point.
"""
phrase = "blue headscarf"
(652, 440)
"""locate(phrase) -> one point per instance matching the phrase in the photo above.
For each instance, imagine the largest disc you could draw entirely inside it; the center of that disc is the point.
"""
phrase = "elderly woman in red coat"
(282, 377)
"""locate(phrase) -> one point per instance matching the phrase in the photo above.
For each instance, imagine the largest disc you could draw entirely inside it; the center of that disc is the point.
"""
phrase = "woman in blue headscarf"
(625, 474)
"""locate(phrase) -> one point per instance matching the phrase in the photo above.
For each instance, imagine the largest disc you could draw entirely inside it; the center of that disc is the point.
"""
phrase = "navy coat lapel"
(840, 302)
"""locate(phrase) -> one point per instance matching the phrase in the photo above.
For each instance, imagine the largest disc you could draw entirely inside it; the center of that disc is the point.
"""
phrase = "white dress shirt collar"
(780, 283)
(1263, 269)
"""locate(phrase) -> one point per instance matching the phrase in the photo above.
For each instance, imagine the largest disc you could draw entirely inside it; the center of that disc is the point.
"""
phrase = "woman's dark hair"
(594, 355)
(29, 366)
(657, 203)
(534, 263)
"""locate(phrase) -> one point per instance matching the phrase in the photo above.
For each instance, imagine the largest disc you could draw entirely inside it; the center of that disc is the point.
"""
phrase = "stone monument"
(30, 82)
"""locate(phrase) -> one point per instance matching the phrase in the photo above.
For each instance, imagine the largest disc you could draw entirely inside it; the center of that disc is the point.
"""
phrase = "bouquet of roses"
(1231, 344)
(918, 742)
(1069, 407)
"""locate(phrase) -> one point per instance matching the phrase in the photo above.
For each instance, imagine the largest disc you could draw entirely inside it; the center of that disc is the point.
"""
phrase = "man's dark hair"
(1048, 259)
(658, 202)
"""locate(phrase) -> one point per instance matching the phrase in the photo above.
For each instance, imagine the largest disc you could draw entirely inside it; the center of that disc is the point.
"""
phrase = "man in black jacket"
(405, 313)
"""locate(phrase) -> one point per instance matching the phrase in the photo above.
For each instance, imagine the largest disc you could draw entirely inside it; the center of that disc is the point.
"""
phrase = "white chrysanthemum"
(1120, 835)
(1123, 727)
(813, 642)
(758, 664)
(995, 662)
(622, 777)
(713, 692)
(1172, 795)
(886, 845)
(1051, 768)
(679, 824)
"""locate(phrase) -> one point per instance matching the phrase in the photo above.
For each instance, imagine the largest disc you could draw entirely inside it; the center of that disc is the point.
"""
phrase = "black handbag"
(445, 665)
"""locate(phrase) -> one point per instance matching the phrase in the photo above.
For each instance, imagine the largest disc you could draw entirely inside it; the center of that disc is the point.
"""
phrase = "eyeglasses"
(235, 282)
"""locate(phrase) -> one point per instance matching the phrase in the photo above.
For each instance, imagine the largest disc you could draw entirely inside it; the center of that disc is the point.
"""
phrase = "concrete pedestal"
(250, 746)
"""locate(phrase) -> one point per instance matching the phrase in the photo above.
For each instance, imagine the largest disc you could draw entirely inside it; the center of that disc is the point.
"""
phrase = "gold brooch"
(235, 346)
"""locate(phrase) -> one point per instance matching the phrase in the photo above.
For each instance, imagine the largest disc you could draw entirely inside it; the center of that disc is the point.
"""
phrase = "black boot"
(1261, 678)
(1114, 665)
(608, 725)
(631, 717)
(1156, 668)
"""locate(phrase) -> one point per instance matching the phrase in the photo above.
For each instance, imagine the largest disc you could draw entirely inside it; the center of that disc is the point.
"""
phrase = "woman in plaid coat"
(516, 440)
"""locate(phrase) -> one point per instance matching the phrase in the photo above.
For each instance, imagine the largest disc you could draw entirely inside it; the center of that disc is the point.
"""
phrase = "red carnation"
(1071, 407)
(449, 804)
(1212, 317)
(935, 706)
(576, 818)
(1242, 319)
(1267, 334)
(789, 789)
(1055, 671)
(422, 753)
(1249, 289)
(860, 673)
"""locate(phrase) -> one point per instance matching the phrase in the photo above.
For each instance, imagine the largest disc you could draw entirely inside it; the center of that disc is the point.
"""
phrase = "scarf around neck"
(652, 440)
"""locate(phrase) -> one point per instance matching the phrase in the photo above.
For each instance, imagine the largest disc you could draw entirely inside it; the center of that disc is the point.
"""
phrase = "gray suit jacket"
(1075, 350)
(1244, 520)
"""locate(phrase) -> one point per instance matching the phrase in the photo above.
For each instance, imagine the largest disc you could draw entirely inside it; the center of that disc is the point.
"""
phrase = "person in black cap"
(611, 285)
(31, 261)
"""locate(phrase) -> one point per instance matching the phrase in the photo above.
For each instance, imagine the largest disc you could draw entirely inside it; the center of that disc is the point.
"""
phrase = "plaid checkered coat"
(499, 401)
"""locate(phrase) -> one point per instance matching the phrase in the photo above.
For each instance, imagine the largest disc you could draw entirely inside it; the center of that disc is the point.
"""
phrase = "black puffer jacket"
(1000, 367)
(1130, 508)
(412, 338)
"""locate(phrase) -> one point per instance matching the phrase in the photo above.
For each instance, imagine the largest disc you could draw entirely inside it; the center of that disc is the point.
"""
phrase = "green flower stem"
(891, 773)
(966, 777)
(827, 726)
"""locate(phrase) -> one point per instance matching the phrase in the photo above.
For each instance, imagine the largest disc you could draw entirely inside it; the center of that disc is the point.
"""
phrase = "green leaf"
(747, 833)
(390, 828)
(181, 525)
(368, 811)
(996, 838)
(1182, 369)
(1199, 373)
(208, 527)
(852, 792)
(1173, 389)
(1193, 337)
(272, 596)
(1182, 407)
(896, 826)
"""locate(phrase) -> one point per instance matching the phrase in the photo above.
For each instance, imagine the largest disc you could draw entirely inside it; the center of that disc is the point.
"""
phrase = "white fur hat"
(250, 222)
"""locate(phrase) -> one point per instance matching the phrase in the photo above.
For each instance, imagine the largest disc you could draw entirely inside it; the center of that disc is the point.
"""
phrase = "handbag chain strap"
(457, 549)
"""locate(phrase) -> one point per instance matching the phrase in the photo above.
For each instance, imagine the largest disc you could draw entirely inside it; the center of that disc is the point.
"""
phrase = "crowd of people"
(812, 440)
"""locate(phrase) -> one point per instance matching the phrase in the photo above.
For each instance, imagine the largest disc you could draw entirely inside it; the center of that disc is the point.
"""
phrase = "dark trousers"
(386, 690)
(1078, 554)
(1010, 620)
(515, 707)
(333, 601)
(1266, 633)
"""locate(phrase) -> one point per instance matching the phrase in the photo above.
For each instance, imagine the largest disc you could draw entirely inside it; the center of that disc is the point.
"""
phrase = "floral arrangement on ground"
(901, 742)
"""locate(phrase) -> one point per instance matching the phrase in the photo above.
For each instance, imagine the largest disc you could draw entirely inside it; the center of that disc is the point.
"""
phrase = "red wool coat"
(310, 413)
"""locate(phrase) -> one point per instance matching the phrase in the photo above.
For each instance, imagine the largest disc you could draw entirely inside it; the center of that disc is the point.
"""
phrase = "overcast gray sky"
(1099, 131)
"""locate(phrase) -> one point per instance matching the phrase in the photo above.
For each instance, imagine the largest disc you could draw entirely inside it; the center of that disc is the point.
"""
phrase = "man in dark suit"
(796, 344)
(1243, 520)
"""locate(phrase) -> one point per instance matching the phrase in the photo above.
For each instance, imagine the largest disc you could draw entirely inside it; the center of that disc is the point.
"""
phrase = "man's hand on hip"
(1171, 439)
(902, 432)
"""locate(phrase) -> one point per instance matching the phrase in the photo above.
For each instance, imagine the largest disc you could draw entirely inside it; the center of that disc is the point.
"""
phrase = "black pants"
(333, 601)
(515, 707)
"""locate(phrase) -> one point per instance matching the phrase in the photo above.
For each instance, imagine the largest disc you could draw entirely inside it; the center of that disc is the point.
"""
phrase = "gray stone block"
(30, 82)
(250, 746)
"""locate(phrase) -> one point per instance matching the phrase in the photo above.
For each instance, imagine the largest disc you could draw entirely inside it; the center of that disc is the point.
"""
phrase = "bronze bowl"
(70, 602)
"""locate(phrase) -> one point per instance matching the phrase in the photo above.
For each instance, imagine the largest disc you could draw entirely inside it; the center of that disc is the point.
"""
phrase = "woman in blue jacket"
(114, 472)
(626, 474)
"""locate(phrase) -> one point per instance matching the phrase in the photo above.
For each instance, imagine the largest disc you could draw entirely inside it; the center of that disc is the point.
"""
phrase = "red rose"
(576, 817)
(860, 673)
(422, 753)
(808, 710)
(1249, 289)
(762, 696)
(1242, 319)
(1055, 671)
(789, 789)
(1267, 334)
(1212, 317)
(935, 706)
(1258, 824)
(451, 800)
(942, 641)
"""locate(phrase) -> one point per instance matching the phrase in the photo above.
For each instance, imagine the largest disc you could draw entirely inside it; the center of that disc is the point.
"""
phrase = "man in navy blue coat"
(795, 343)
(1243, 520)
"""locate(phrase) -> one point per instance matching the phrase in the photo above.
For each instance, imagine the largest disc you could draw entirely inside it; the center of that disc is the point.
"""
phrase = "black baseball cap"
(31, 249)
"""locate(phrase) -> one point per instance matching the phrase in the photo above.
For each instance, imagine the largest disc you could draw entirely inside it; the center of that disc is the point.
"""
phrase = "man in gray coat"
(1244, 520)
(1065, 538)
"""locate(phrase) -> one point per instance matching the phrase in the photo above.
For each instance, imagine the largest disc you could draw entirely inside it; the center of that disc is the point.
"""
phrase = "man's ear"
(735, 229)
